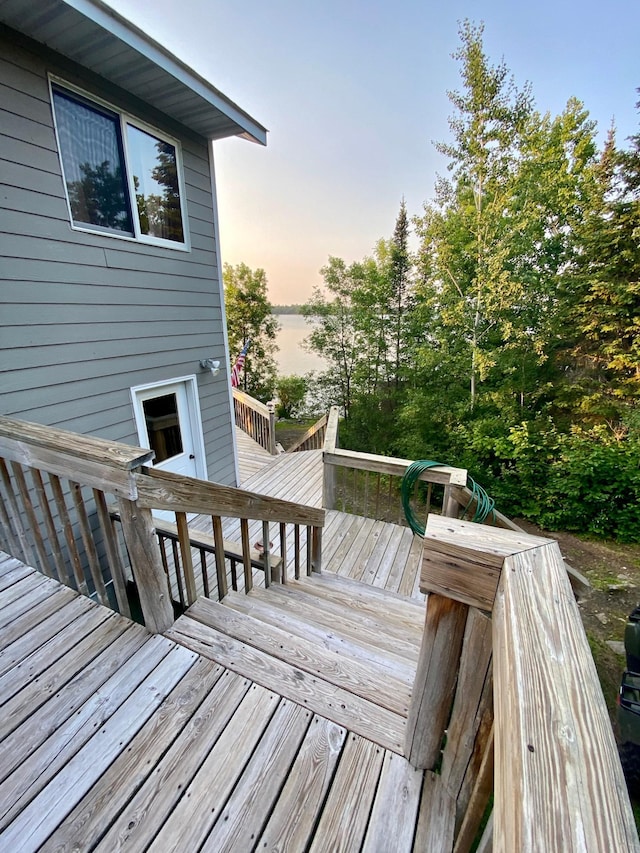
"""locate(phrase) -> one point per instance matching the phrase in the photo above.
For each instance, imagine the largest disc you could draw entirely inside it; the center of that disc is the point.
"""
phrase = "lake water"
(292, 359)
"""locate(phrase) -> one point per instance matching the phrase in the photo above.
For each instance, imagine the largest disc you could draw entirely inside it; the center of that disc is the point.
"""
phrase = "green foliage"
(249, 317)
(291, 391)
(510, 344)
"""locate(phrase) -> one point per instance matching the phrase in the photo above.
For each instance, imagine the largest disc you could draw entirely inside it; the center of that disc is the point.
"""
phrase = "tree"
(249, 318)
(500, 235)
(291, 391)
(606, 309)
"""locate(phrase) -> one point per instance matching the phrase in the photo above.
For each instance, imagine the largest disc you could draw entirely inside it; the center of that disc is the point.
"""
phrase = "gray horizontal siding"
(87, 316)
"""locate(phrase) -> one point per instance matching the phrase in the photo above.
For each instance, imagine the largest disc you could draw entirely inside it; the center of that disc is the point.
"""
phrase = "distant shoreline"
(286, 309)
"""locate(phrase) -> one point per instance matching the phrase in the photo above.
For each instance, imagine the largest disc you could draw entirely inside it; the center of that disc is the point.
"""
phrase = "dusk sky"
(355, 93)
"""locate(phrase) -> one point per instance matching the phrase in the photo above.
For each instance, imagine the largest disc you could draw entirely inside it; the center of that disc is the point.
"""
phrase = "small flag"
(237, 368)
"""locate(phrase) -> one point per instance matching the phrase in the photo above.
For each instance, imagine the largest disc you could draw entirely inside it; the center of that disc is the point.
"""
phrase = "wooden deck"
(379, 553)
(251, 456)
(114, 739)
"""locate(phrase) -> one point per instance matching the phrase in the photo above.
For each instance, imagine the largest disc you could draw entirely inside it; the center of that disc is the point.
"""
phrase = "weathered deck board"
(92, 816)
(359, 627)
(344, 708)
(393, 817)
(253, 798)
(113, 739)
(354, 675)
(263, 606)
(343, 823)
(301, 800)
(251, 456)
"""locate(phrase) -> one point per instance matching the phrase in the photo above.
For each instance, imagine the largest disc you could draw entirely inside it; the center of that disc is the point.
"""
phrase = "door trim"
(195, 418)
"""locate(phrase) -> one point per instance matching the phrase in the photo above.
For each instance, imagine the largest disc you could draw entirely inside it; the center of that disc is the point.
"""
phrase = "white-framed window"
(121, 176)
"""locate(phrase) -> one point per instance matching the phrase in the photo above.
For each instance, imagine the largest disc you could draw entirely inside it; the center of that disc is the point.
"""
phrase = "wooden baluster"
(25, 551)
(309, 550)
(378, 481)
(296, 545)
(316, 550)
(354, 501)
(271, 573)
(221, 568)
(204, 572)
(43, 557)
(11, 543)
(185, 552)
(246, 555)
(76, 563)
(234, 576)
(113, 554)
(366, 494)
(178, 573)
(283, 550)
(89, 545)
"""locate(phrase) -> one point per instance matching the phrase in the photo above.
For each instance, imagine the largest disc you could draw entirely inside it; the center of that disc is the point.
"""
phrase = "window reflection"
(93, 164)
(155, 178)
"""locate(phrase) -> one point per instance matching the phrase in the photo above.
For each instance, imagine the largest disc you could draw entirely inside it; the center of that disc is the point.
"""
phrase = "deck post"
(329, 470)
(151, 581)
(433, 690)
(272, 428)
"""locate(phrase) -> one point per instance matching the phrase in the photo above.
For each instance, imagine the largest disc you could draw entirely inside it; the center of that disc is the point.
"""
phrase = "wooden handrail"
(313, 438)
(251, 402)
(256, 419)
(95, 462)
(162, 490)
(444, 474)
(558, 781)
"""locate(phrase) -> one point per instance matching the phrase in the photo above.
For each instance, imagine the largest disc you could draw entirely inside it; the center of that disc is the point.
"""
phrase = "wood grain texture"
(467, 710)
(301, 800)
(147, 811)
(395, 467)
(378, 724)
(559, 784)
(153, 589)
(205, 797)
(165, 491)
(343, 824)
(476, 807)
(92, 816)
(351, 674)
(435, 680)
(463, 560)
(436, 818)
(253, 798)
(395, 808)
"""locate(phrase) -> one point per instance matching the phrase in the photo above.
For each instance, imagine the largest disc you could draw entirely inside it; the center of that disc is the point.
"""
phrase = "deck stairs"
(341, 648)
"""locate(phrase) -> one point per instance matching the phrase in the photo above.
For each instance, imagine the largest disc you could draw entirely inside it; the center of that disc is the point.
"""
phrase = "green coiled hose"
(484, 504)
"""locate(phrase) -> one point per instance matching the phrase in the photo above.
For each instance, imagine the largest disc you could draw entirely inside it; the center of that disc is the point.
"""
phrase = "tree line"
(508, 342)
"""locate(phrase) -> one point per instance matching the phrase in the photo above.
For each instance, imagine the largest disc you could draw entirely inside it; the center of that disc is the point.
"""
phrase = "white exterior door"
(168, 421)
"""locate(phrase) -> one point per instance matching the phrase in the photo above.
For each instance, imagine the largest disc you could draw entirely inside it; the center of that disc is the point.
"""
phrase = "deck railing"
(256, 419)
(61, 495)
(313, 438)
(507, 699)
(369, 485)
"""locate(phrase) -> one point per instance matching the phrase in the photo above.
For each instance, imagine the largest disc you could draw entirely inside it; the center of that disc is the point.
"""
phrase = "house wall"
(87, 316)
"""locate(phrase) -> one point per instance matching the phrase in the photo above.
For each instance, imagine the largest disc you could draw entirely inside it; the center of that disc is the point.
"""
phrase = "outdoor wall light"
(210, 364)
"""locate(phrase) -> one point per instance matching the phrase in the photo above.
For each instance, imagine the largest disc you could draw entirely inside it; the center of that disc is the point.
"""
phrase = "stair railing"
(313, 438)
(369, 485)
(62, 495)
(507, 699)
(256, 419)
